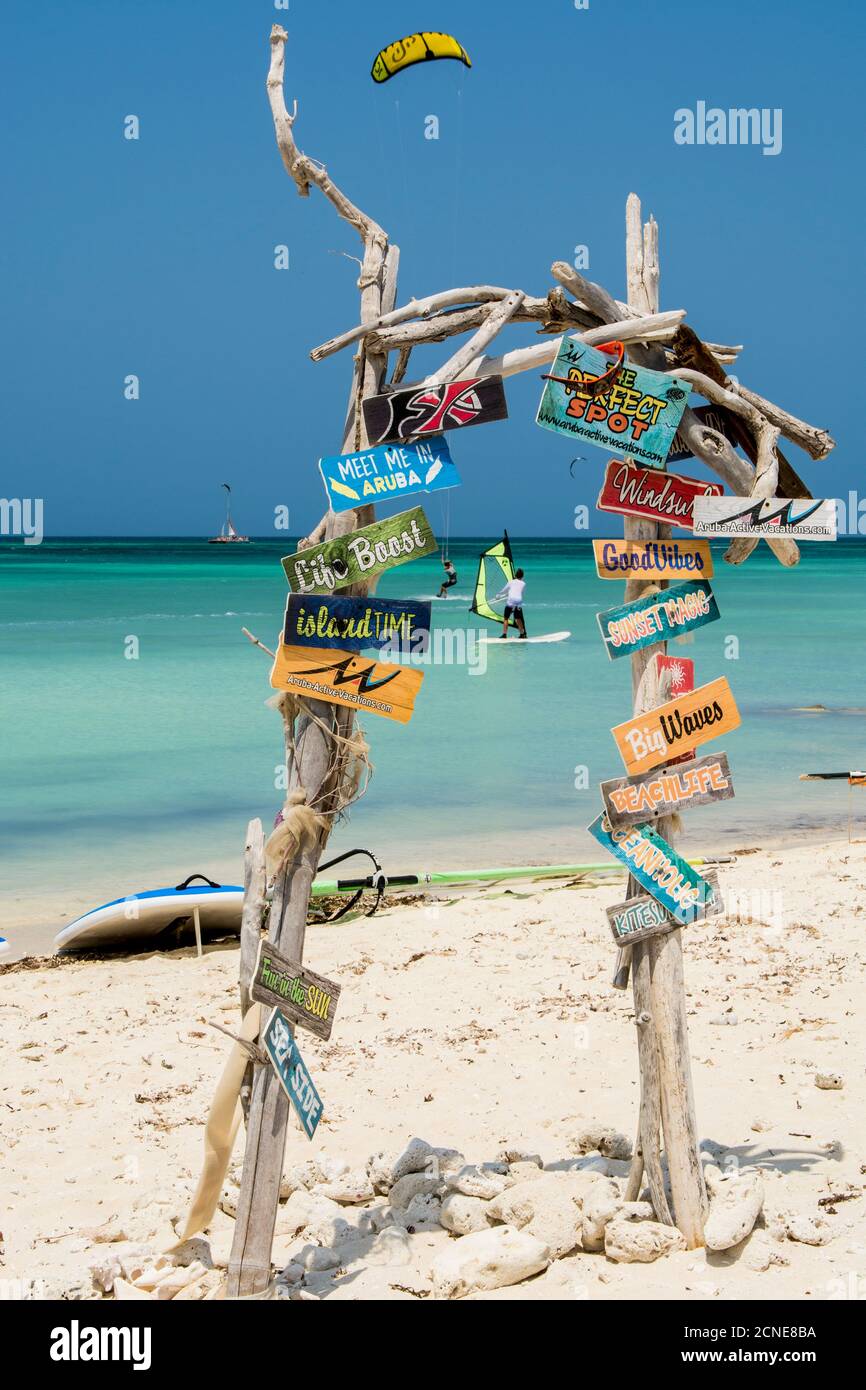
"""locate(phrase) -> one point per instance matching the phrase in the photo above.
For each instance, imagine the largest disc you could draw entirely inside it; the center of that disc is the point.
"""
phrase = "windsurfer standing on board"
(513, 595)
(450, 578)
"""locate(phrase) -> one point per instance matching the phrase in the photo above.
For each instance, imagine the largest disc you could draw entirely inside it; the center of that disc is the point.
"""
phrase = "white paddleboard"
(523, 641)
(148, 914)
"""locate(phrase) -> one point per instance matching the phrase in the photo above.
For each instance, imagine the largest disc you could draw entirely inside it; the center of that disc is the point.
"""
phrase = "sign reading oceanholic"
(682, 724)
(307, 999)
(391, 470)
(657, 617)
(355, 623)
(361, 555)
(656, 866)
(632, 491)
(638, 412)
(803, 518)
(423, 410)
(640, 917)
(344, 678)
(636, 800)
(620, 559)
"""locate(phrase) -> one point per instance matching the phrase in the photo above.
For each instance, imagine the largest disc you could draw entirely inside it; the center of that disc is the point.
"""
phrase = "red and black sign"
(668, 497)
(425, 410)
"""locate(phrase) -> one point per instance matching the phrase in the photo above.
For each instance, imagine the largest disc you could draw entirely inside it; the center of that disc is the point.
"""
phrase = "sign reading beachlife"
(638, 413)
(426, 410)
(354, 623)
(638, 918)
(344, 678)
(636, 800)
(619, 559)
(803, 518)
(657, 617)
(656, 866)
(392, 470)
(681, 724)
(295, 1080)
(361, 555)
(632, 491)
(307, 999)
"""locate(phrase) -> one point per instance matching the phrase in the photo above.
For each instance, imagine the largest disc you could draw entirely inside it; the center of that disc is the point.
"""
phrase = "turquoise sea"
(122, 774)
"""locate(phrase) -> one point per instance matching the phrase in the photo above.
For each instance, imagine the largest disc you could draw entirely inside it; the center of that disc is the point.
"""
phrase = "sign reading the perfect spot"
(355, 623)
(295, 1080)
(424, 410)
(632, 491)
(620, 559)
(658, 617)
(803, 518)
(637, 413)
(391, 470)
(656, 866)
(361, 555)
(638, 918)
(639, 800)
(677, 726)
(344, 678)
(307, 999)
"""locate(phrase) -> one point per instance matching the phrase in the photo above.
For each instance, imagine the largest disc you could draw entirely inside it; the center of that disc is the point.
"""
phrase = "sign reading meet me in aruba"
(344, 678)
(657, 617)
(637, 800)
(306, 999)
(632, 491)
(638, 412)
(621, 559)
(423, 410)
(295, 1080)
(390, 470)
(671, 729)
(640, 917)
(656, 866)
(361, 555)
(354, 623)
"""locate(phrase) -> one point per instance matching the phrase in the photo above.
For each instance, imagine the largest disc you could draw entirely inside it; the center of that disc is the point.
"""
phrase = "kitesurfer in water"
(513, 595)
(450, 578)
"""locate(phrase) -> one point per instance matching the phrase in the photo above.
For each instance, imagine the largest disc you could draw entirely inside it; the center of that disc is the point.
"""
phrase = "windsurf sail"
(495, 568)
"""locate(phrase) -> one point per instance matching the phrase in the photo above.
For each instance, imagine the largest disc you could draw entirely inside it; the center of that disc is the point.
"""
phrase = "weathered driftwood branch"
(496, 319)
(524, 359)
(465, 320)
(416, 308)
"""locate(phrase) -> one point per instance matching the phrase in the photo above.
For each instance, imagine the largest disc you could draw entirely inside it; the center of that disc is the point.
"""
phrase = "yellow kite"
(417, 48)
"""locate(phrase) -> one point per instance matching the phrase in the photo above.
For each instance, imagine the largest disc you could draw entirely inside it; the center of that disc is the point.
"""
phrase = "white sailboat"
(228, 535)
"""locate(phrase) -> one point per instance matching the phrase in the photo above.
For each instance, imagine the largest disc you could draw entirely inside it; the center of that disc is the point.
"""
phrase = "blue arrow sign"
(390, 470)
(295, 1080)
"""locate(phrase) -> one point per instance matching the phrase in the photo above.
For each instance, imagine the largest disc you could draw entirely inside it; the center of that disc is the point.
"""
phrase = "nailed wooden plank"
(423, 410)
(641, 917)
(644, 799)
(386, 472)
(304, 997)
(639, 412)
(652, 560)
(804, 519)
(655, 865)
(676, 675)
(630, 490)
(355, 623)
(668, 730)
(294, 1078)
(658, 617)
(361, 556)
(344, 678)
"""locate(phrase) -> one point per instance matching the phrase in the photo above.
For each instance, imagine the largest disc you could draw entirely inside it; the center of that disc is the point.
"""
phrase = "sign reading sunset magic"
(657, 617)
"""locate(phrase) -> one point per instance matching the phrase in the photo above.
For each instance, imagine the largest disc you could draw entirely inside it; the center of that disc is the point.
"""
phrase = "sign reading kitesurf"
(361, 555)
(803, 518)
(295, 1080)
(656, 866)
(355, 623)
(622, 559)
(344, 678)
(657, 617)
(423, 410)
(391, 470)
(640, 917)
(306, 999)
(633, 491)
(636, 800)
(662, 733)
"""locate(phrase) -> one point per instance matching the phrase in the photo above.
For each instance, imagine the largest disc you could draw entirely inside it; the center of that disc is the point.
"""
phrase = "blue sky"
(155, 256)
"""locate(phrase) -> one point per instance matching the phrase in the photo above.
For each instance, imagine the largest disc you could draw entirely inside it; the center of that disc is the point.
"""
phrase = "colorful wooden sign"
(344, 678)
(632, 491)
(620, 559)
(361, 555)
(391, 470)
(658, 617)
(655, 865)
(638, 412)
(682, 682)
(641, 800)
(714, 417)
(295, 1080)
(355, 623)
(306, 999)
(804, 518)
(423, 410)
(681, 724)
(638, 918)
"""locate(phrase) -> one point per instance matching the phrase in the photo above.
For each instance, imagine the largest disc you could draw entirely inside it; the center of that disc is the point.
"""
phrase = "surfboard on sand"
(150, 913)
(522, 641)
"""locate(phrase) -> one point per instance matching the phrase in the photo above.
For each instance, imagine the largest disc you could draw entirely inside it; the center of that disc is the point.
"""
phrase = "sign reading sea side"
(294, 1078)
(361, 555)
(391, 470)
(619, 559)
(638, 412)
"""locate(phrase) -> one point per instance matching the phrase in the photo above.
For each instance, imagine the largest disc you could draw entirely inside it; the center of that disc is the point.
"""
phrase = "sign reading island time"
(391, 470)
(355, 623)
